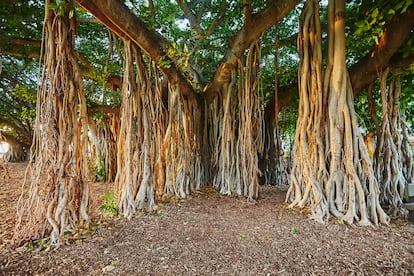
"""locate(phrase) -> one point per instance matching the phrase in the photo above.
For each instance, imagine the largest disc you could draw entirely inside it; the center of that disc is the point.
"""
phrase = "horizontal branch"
(19, 47)
(259, 23)
(117, 17)
(365, 71)
(102, 108)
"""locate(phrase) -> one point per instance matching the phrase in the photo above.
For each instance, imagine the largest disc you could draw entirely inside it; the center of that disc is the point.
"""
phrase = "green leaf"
(52, 6)
(399, 5)
(359, 31)
(407, 4)
(115, 262)
(360, 24)
(293, 231)
(374, 13)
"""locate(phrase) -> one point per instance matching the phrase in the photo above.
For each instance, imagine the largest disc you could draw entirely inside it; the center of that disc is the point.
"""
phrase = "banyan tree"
(178, 126)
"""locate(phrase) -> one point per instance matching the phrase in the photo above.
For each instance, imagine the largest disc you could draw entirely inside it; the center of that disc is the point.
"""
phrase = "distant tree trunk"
(58, 194)
(407, 155)
(236, 130)
(392, 165)
(17, 152)
(268, 162)
(332, 171)
(103, 136)
(274, 165)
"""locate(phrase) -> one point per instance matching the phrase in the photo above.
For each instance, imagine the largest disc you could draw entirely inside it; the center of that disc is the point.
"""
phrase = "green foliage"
(25, 93)
(60, 6)
(287, 120)
(202, 52)
(109, 206)
(98, 117)
(30, 246)
(375, 17)
(406, 103)
(161, 214)
(26, 97)
(116, 262)
(163, 62)
(100, 171)
(179, 54)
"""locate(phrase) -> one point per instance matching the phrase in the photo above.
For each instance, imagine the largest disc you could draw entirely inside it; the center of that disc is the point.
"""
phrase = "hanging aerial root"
(339, 181)
(154, 139)
(55, 194)
(134, 184)
(236, 129)
(389, 163)
(308, 169)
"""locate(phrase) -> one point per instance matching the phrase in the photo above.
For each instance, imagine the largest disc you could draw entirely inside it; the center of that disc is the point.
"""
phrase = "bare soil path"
(209, 234)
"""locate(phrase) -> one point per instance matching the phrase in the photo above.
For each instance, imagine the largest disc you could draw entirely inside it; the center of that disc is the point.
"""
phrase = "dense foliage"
(197, 33)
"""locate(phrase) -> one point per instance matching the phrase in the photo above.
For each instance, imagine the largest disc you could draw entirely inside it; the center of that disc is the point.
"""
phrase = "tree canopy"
(197, 39)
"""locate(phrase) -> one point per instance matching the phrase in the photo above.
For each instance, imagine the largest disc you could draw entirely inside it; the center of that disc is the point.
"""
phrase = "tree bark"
(236, 129)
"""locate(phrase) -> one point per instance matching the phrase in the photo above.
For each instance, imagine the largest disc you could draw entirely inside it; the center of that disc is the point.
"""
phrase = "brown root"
(340, 181)
(236, 130)
(390, 163)
(55, 196)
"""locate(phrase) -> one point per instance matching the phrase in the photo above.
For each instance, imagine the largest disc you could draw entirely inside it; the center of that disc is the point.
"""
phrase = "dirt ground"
(209, 234)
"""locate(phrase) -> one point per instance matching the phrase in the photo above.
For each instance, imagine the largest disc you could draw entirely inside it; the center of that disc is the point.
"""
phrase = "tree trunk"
(17, 152)
(390, 161)
(152, 139)
(133, 183)
(332, 171)
(58, 194)
(236, 126)
(185, 167)
(103, 141)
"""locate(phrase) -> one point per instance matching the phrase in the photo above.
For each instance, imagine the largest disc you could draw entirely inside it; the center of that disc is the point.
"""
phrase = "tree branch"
(24, 136)
(194, 22)
(19, 47)
(116, 16)
(260, 22)
(366, 70)
(102, 108)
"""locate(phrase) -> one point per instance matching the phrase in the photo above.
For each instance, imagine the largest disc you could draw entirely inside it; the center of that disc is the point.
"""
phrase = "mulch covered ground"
(209, 234)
